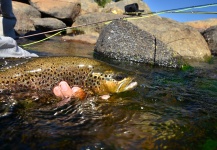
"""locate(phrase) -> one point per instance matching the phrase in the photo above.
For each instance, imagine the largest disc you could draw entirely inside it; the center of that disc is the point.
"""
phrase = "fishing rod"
(182, 12)
(177, 10)
(188, 8)
(70, 27)
(62, 30)
(196, 12)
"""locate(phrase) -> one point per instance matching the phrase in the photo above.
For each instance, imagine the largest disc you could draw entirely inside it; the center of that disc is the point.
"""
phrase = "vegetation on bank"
(104, 2)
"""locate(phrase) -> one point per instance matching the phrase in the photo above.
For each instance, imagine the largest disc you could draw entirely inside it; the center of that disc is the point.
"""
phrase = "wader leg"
(8, 21)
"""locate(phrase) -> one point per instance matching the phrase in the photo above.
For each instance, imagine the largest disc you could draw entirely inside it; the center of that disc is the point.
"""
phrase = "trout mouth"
(126, 85)
(131, 86)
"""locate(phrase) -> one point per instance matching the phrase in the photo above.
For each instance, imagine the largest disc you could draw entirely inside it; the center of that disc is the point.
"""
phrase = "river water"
(170, 109)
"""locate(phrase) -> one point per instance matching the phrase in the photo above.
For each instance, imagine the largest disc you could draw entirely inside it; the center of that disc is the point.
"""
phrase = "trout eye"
(118, 77)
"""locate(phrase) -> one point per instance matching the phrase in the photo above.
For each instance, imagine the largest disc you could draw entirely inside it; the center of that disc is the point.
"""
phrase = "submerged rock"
(124, 41)
(210, 36)
(82, 38)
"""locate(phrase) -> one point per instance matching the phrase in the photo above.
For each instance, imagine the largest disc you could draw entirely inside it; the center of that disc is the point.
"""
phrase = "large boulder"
(183, 39)
(202, 25)
(210, 36)
(119, 7)
(24, 13)
(26, 9)
(48, 24)
(124, 41)
(66, 10)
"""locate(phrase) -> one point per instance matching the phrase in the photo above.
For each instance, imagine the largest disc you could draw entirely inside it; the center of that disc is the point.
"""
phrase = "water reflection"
(57, 47)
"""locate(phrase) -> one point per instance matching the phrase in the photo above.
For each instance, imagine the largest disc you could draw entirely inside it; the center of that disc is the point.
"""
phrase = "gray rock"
(124, 41)
(183, 39)
(210, 36)
(47, 24)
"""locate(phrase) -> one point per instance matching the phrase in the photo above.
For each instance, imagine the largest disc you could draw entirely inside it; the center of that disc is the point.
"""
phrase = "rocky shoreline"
(153, 40)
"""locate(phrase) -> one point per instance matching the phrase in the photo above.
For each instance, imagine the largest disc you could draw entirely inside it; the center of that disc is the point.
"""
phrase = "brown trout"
(44, 73)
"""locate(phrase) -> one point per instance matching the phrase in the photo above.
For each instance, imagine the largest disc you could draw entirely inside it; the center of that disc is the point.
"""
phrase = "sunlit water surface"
(170, 109)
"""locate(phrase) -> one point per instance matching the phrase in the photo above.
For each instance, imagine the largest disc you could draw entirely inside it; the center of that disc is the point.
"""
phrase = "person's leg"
(9, 20)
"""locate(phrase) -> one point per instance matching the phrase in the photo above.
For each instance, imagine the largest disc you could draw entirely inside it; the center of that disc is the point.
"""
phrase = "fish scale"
(45, 73)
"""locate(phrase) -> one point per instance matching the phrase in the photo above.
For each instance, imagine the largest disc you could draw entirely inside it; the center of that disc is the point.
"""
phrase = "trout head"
(109, 83)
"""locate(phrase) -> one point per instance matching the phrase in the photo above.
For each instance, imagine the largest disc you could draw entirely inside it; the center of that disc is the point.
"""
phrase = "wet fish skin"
(44, 73)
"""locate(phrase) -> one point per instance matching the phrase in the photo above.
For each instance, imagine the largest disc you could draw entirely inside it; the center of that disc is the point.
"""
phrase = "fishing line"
(178, 10)
(195, 12)
(182, 12)
(61, 30)
(175, 10)
(43, 39)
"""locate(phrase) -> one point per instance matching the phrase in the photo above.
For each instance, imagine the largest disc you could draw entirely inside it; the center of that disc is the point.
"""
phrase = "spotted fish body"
(45, 73)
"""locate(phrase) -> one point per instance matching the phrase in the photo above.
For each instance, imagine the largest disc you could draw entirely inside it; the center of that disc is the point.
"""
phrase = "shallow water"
(170, 109)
